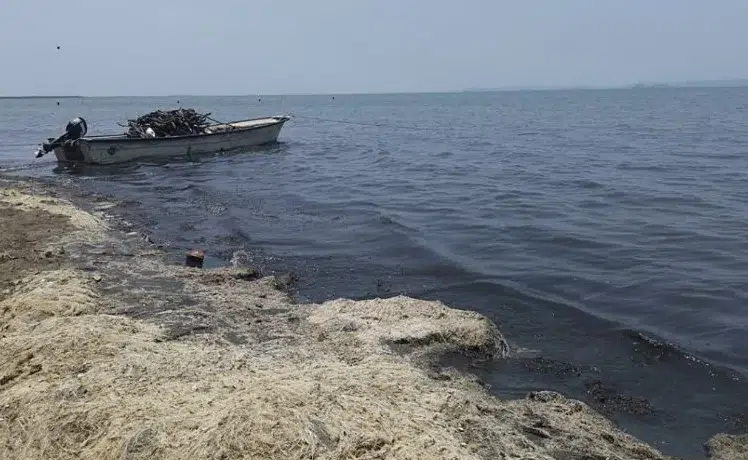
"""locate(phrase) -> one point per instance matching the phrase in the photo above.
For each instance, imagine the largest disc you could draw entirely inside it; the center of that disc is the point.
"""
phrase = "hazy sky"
(161, 47)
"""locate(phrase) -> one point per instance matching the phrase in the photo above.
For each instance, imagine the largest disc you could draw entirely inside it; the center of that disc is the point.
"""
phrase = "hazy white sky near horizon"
(165, 47)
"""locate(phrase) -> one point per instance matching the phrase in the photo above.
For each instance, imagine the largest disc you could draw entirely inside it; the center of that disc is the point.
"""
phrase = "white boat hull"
(120, 149)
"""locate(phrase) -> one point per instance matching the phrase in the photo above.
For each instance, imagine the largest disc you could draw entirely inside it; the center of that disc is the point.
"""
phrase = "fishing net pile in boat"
(164, 123)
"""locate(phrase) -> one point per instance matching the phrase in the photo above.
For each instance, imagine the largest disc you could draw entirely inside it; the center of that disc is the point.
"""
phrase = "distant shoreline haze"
(729, 83)
(42, 97)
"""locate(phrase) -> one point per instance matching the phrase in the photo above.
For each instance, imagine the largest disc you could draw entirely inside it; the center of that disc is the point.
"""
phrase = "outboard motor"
(76, 128)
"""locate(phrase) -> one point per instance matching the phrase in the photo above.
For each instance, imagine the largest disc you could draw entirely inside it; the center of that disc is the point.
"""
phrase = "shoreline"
(106, 351)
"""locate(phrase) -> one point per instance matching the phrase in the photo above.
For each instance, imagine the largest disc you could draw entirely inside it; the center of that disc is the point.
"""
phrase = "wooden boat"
(74, 146)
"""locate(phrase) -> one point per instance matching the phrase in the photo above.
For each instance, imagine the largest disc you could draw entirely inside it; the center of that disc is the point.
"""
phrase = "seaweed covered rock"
(726, 447)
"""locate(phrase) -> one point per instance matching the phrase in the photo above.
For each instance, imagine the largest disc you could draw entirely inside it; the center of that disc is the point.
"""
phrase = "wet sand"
(109, 352)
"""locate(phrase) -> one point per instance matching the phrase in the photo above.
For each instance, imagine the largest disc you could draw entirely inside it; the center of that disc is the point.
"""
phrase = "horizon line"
(736, 82)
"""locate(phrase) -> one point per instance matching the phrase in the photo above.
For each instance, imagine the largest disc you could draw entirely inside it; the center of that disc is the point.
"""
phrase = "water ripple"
(568, 217)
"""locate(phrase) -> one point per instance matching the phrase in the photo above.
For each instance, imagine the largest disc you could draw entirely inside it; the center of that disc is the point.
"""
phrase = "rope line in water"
(25, 166)
(371, 125)
(27, 144)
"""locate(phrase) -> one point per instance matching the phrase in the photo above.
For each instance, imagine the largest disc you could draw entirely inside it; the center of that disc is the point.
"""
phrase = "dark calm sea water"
(606, 232)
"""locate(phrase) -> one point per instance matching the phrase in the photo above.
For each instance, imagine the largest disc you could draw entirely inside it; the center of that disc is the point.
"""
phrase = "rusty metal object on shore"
(195, 258)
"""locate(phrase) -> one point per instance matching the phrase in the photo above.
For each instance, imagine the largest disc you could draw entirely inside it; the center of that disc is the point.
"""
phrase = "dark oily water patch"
(646, 409)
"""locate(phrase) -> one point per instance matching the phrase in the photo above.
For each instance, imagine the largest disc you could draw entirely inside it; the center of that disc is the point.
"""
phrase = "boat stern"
(71, 152)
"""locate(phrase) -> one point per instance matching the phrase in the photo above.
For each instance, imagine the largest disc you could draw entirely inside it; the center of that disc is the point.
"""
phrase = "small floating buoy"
(195, 258)
(58, 46)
